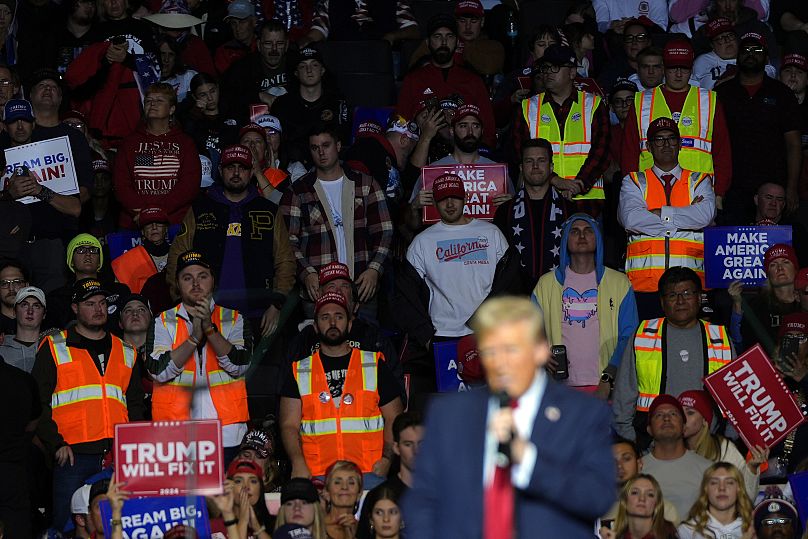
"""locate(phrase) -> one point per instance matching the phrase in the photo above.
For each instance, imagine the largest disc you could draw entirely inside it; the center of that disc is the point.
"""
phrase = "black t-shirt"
(19, 405)
(335, 370)
(8, 325)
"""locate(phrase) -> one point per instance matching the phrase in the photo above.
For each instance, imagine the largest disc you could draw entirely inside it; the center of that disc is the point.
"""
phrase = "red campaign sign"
(170, 458)
(754, 397)
(482, 184)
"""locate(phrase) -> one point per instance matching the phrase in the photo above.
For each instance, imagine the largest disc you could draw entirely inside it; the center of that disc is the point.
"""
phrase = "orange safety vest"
(171, 401)
(647, 257)
(133, 268)
(86, 405)
(352, 431)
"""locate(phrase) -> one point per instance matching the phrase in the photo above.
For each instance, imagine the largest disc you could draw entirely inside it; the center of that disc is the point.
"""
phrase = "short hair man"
(650, 69)
(19, 349)
(770, 209)
(679, 344)
(459, 461)
(135, 320)
(242, 20)
(710, 67)
(13, 277)
(73, 428)
(340, 373)
(200, 338)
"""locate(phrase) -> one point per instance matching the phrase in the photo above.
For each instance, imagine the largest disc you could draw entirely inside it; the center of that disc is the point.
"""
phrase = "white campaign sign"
(49, 161)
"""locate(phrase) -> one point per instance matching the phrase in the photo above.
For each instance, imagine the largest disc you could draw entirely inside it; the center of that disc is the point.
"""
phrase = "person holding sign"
(88, 382)
(198, 354)
(664, 209)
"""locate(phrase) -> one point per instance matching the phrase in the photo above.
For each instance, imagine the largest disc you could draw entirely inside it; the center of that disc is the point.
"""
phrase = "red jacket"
(114, 107)
(156, 171)
(428, 81)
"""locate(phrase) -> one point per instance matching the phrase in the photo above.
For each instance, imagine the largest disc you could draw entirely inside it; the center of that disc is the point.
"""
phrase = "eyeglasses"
(685, 295)
(635, 38)
(547, 68)
(5, 83)
(9, 283)
(752, 48)
(621, 102)
(775, 521)
(725, 38)
(87, 250)
(659, 142)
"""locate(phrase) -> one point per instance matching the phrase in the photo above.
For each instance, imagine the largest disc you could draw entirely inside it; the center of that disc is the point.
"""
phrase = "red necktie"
(668, 179)
(498, 503)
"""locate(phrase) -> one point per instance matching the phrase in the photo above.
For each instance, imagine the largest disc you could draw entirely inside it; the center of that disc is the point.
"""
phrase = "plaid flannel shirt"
(310, 232)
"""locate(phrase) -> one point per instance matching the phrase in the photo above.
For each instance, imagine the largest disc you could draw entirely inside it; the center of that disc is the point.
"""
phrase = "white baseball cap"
(80, 502)
(268, 121)
(28, 292)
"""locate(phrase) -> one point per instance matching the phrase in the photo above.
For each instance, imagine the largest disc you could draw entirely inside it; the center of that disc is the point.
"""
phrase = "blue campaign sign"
(799, 489)
(120, 242)
(148, 518)
(446, 367)
(735, 253)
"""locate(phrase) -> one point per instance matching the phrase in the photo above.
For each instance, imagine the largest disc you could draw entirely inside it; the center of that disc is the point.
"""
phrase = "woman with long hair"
(385, 514)
(640, 512)
(722, 509)
(343, 488)
(254, 521)
(172, 69)
(698, 406)
(300, 504)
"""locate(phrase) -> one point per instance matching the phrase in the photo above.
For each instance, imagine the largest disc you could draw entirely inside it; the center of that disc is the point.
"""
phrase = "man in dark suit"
(540, 467)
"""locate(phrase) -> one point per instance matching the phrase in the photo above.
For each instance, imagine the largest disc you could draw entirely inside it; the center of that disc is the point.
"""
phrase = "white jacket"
(715, 530)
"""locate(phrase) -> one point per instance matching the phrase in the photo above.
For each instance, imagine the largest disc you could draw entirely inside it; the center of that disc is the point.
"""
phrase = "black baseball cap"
(191, 258)
(84, 289)
(136, 297)
(558, 55)
(299, 488)
(621, 85)
(441, 20)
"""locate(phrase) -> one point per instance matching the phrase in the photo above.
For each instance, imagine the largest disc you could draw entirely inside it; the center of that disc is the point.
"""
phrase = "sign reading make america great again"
(735, 253)
(481, 182)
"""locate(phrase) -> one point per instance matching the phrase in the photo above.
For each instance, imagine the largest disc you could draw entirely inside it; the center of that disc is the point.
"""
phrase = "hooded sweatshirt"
(161, 171)
(615, 305)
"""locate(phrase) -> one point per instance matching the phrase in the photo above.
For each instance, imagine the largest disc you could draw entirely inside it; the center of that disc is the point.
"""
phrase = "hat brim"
(19, 117)
(174, 21)
(88, 295)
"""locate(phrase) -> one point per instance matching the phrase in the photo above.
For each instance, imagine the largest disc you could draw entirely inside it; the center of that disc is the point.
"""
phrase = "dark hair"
(323, 128)
(650, 50)
(575, 32)
(404, 421)
(676, 275)
(201, 78)
(272, 26)
(383, 492)
(542, 30)
(14, 263)
(538, 143)
(179, 65)
(620, 440)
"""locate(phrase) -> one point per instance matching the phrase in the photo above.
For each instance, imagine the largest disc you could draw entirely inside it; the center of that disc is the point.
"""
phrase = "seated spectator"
(138, 264)
(271, 181)
(776, 517)
(614, 15)
(172, 70)
(340, 21)
(175, 24)
(300, 504)
(570, 296)
(80, 512)
(309, 104)
(531, 222)
(679, 344)
(247, 478)
(722, 509)
(650, 69)
(259, 446)
(698, 407)
(85, 258)
(242, 20)
(386, 521)
(678, 470)
(442, 77)
(19, 349)
(279, 148)
(343, 489)
(13, 278)
(640, 513)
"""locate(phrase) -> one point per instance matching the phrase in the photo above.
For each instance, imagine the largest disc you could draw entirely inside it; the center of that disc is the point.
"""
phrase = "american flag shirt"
(156, 170)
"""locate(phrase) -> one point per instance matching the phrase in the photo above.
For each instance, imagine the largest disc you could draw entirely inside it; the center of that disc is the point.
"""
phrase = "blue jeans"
(66, 480)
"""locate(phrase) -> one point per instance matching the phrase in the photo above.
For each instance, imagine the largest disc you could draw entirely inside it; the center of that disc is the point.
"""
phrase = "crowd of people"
(224, 235)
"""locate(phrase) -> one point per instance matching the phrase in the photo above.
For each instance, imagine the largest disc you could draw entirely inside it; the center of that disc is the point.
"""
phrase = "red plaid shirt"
(310, 232)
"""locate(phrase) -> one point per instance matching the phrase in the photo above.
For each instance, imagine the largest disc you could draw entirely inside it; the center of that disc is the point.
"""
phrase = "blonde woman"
(343, 488)
(722, 509)
(300, 504)
(698, 406)
(640, 513)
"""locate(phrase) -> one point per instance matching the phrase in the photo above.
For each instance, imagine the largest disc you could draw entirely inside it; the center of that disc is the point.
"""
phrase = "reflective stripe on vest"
(570, 153)
(648, 356)
(695, 126)
(647, 257)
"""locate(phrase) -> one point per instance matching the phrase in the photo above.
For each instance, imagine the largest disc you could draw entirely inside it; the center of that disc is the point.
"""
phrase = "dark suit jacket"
(572, 482)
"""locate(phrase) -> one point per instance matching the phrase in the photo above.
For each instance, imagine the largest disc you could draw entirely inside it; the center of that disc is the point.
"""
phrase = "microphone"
(503, 457)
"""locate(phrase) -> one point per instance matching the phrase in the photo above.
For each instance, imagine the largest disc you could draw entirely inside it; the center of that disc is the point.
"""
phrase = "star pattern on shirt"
(519, 247)
(517, 230)
(555, 210)
(557, 232)
(555, 250)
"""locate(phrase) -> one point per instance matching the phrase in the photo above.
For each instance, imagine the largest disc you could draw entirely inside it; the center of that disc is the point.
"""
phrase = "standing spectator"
(763, 120)
(342, 491)
(205, 120)
(19, 349)
(664, 201)
(200, 345)
(698, 115)
(324, 228)
(338, 20)
(232, 226)
(573, 299)
(680, 345)
(13, 278)
(641, 512)
(636, 37)
(678, 470)
(242, 20)
(172, 69)
(300, 505)
(711, 67)
(138, 264)
(770, 205)
(722, 508)
(650, 69)
(69, 366)
(442, 77)
(311, 103)
(261, 76)
(794, 74)
(135, 320)
(157, 165)
(271, 181)
(531, 222)
(174, 26)
(571, 115)
(318, 386)
(75, 35)
(614, 14)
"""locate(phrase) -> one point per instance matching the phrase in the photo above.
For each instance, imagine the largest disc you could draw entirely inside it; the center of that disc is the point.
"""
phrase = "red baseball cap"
(801, 281)
(331, 297)
(448, 185)
(252, 127)
(469, 8)
(368, 129)
(152, 215)
(754, 37)
(466, 110)
(778, 251)
(719, 26)
(665, 399)
(333, 271)
(662, 124)
(795, 60)
(794, 323)
(237, 153)
(469, 367)
(244, 466)
(678, 53)
(700, 400)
